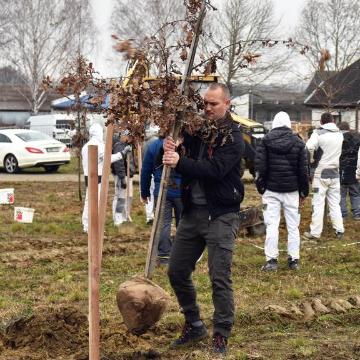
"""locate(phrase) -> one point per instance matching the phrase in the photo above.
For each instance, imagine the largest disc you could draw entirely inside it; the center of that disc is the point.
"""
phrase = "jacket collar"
(330, 127)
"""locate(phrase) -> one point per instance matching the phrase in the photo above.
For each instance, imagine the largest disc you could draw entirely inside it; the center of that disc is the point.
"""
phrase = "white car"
(22, 148)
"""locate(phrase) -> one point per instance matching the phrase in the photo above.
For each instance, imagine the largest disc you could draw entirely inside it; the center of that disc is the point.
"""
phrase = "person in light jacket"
(96, 138)
(325, 145)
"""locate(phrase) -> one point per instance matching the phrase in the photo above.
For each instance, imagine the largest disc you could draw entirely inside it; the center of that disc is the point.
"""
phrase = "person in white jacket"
(96, 138)
(324, 146)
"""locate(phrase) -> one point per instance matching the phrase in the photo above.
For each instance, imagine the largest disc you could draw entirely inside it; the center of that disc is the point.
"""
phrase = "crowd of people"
(205, 192)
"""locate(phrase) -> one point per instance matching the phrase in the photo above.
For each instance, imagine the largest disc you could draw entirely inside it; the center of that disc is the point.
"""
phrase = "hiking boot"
(293, 264)
(219, 344)
(339, 235)
(308, 236)
(271, 265)
(190, 335)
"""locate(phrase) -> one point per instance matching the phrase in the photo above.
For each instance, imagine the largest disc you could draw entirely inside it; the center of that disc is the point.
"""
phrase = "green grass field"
(43, 288)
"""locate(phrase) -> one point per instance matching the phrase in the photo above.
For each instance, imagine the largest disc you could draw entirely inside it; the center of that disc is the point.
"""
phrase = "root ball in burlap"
(141, 303)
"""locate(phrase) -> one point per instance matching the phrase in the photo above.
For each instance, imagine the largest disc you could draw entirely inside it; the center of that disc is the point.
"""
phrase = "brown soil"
(60, 331)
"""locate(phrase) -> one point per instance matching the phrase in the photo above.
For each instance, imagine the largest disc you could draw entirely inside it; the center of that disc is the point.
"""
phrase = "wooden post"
(139, 153)
(127, 202)
(106, 167)
(105, 184)
(94, 256)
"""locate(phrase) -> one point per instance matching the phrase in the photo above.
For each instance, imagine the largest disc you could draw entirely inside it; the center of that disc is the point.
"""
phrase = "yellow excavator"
(252, 132)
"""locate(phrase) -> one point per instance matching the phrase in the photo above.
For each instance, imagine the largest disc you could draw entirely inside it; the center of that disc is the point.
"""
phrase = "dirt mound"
(60, 330)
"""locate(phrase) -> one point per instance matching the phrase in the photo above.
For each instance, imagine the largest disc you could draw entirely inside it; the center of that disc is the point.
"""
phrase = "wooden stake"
(94, 255)
(139, 153)
(127, 202)
(105, 184)
(106, 167)
(156, 227)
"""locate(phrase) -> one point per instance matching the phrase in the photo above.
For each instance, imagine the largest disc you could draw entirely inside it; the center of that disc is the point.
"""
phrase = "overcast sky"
(286, 10)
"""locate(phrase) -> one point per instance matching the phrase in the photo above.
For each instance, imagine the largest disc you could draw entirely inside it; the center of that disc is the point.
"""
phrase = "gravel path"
(36, 177)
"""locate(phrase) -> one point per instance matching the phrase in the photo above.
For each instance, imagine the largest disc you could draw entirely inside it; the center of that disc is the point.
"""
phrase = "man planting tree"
(212, 192)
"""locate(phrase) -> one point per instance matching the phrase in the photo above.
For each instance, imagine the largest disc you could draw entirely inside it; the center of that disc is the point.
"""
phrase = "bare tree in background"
(244, 20)
(140, 19)
(4, 22)
(44, 35)
(332, 25)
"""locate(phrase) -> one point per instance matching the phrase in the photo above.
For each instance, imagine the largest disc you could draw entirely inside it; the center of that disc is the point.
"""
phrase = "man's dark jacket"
(281, 163)
(218, 169)
(348, 158)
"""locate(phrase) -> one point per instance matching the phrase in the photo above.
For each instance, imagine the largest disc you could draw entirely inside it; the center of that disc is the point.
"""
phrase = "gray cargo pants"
(195, 231)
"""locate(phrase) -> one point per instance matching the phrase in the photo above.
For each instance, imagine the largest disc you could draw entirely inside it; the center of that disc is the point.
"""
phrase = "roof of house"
(340, 90)
(271, 94)
(13, 98)
(318, 78)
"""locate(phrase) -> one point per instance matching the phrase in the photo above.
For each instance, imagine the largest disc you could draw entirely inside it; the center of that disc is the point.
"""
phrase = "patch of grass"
(72, 167)
(303, 347)
(45, 264)
(293, 294)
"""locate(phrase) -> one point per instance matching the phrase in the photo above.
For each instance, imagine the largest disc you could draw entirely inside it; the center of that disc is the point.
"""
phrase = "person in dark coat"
(121, 206)
(152, 167)
(211, 192)
(348, 164)
(282, 177)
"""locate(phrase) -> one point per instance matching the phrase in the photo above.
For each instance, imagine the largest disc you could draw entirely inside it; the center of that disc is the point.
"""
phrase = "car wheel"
(11, 164)
(51, 168)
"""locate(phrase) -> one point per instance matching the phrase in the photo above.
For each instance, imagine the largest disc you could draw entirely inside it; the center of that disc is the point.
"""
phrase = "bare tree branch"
(146, 19)
(332, 25)
(238, 23)
(4, 23)
(44, 37)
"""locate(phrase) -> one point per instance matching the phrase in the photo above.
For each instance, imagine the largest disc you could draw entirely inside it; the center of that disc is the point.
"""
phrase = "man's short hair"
(344, 125)
(326, 118)
(223, 87)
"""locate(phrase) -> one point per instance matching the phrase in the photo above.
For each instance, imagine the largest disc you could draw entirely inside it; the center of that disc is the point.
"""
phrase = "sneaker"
(190, 335)
(339, 235)
(271, 265)
(163, 260)
(118, 219)
(293, 264)
(219, 344)
(357, 218)
(149, 222)
(308, 236)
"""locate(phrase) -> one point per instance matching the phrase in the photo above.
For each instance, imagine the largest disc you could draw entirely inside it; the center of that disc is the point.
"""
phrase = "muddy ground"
(43, 289)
